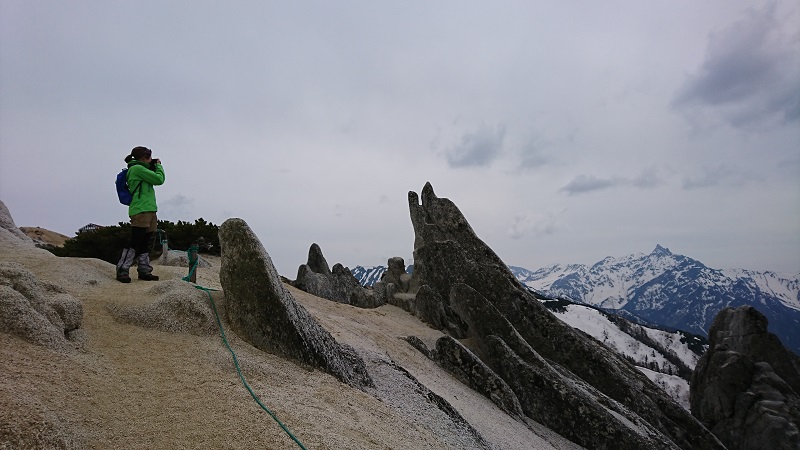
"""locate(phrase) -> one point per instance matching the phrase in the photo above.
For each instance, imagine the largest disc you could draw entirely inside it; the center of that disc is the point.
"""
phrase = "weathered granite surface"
(38, 311)
(263, 312)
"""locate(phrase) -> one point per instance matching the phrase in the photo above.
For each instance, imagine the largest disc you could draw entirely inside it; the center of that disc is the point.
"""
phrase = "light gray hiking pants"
(126, 261)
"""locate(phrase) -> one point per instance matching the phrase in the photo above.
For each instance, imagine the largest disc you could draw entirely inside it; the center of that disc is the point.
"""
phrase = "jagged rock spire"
(461, 269)
(316, 261)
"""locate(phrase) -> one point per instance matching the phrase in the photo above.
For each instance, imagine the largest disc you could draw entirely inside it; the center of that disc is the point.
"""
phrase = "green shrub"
(106, 243)
(181, 235)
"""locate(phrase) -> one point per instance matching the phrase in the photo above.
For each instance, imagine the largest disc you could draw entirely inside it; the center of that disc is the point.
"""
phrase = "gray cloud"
(534, 155)
(720, 175)
(582, 184)
(177, 205)
(648, 179)
(477, 148)
(749, 75)
(588, 183)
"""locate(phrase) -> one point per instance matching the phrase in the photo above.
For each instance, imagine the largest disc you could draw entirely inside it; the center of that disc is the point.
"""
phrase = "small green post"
(193, 263)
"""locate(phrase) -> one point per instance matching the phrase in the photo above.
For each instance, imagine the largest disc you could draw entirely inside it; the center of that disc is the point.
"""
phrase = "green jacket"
(141, 181)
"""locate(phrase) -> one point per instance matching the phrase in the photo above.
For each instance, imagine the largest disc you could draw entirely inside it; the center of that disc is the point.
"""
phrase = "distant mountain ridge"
(662, 289)
(673, 291)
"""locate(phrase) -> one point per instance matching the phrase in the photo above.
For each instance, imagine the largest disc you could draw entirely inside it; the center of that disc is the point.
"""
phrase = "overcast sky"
(564, 131)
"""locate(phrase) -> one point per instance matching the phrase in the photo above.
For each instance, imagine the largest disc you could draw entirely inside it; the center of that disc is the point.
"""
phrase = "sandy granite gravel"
(129, 386)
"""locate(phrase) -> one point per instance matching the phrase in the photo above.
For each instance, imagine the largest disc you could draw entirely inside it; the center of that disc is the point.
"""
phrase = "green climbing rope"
(236, 360)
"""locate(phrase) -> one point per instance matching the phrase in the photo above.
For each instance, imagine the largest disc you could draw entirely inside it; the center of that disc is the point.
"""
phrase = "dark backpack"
(123, 192)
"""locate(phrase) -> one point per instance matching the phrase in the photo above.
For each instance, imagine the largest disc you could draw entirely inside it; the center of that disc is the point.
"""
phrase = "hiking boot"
(144, 268)
(147, 277)
(123, 278)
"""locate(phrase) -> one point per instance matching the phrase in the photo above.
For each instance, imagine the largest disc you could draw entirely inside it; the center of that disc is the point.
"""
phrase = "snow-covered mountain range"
(673, 291)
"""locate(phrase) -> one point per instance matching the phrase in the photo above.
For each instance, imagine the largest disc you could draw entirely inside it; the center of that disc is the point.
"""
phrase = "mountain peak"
(661, 251)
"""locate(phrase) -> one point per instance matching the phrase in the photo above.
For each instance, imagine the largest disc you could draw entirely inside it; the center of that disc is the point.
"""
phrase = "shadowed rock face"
(316, 261)
(452, 260)
(473, 372)
(746, 387)
(261, 311)
(545, 394)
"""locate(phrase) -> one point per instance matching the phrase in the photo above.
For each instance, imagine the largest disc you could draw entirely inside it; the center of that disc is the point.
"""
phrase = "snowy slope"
(596, 324)
(660, 355)
(676, 387)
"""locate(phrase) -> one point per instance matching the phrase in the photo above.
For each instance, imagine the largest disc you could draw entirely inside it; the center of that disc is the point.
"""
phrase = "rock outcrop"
(396, 274)
(542, 389)
(394, 286)
(547, 363)
(263, 312)
(397, 287)
(37, 311)
(339, 284)
(472, 371)
(178, 308)
(9, 228)
(179, 258)
(746, 387)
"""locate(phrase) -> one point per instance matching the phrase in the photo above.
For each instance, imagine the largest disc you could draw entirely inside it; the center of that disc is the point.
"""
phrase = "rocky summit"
(557, 374)
(746, 387)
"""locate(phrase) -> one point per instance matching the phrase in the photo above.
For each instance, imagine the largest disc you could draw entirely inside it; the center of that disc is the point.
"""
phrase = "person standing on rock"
(144, 173)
